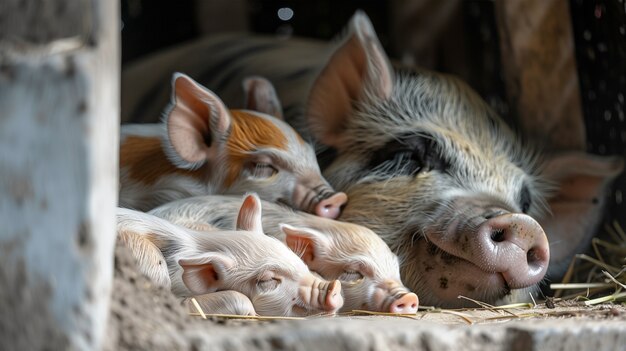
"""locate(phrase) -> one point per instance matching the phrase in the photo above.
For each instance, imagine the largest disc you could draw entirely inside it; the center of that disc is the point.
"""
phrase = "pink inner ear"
(302, 246)
(339, 84)
(186, 131)
(196, 115)
(358, 66)
(249, 217)
(200, 279)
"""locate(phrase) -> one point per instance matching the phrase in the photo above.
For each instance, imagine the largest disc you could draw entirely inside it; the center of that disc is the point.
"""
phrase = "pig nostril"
(497, 235)
(533, 257)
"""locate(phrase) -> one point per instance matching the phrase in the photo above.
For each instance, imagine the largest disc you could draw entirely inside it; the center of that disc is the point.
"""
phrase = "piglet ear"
(206, 272)
(305, 242)
(261, 96)
(197, 122)
(576, 206)
(358, 70)
(249, 217)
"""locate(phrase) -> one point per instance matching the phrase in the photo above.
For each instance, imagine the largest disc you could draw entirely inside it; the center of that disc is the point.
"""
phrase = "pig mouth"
(486, 256)
(452, 276)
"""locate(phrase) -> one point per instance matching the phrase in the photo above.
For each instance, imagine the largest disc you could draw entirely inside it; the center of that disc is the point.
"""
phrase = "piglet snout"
(333, 300)
(330, 207)
(391, 296)
(320, 294)
(406, 304)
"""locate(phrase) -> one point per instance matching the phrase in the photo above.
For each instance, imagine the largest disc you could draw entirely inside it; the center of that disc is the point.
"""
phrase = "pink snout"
(514, 245)
(334, 299)
(406, 304)
(330, 207)
(320, 294)
(391, 296)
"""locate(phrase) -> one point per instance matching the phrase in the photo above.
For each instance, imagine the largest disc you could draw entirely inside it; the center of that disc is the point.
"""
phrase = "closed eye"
(268, 284)
(402, 162)
(408, 155)
(350, 276)
(261, 170)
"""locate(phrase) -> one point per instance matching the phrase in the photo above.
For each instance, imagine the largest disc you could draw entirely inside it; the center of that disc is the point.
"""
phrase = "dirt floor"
(147, 318)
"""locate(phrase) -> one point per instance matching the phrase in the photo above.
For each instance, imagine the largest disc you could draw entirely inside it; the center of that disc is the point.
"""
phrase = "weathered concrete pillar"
(537, 47)
(59, 116)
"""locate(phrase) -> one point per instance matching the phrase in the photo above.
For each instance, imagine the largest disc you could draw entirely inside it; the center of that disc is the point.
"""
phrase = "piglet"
(360, 259)
(273, 278)
(203, 148)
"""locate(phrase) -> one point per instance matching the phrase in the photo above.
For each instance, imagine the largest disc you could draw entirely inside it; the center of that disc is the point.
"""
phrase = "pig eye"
(401, 162)
(350, 276)
(409, 155)
(261, 170)
(268, 284)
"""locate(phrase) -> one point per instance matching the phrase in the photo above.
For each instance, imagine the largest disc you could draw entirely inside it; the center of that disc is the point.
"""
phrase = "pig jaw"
(481, 254)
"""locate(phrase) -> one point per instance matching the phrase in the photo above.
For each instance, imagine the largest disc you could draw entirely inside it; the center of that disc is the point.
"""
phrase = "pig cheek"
(279, 302)
(269, 304)
(356, 296)
(269, 189)
(278, 188)
(444, 278)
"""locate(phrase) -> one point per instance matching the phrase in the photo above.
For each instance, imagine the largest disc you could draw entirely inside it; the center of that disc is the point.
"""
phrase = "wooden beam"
(537, 48)
(59, 125)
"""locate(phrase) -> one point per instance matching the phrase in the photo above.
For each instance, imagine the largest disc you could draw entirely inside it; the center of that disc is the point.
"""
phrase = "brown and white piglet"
(273, 278)
(356, 256)
(203, 148)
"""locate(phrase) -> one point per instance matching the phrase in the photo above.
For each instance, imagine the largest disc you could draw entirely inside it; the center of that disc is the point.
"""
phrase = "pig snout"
(392, 297)
(321, 294)
(514, 245)
(330, 207)
(320, 200)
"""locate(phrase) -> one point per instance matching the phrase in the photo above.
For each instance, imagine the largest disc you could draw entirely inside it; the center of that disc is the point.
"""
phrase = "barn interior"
(555, 71)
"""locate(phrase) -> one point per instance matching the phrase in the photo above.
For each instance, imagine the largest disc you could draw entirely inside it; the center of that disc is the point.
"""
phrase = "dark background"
(467, 46)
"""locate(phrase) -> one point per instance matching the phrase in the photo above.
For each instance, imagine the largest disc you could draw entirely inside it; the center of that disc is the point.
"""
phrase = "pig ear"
(249, 217)
(205, 273)
(576, 206)
(197, 122)
(358, 70)
(261, 96)
(305, 242)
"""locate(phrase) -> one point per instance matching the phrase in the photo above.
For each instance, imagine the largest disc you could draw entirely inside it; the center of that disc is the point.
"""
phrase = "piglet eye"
(350, 276)
(268, 284)
(262, 170)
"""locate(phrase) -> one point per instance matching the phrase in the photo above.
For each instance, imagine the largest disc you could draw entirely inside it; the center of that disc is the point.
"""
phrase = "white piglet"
(369, 272)
(273, 278)
(204, 148)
